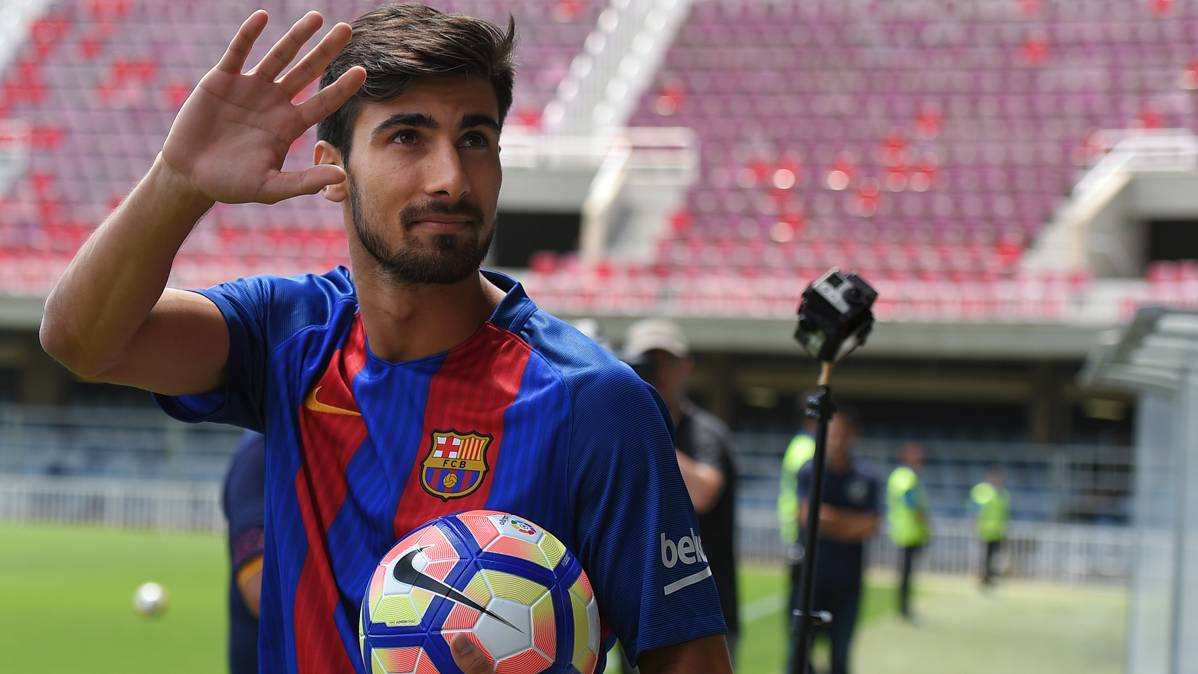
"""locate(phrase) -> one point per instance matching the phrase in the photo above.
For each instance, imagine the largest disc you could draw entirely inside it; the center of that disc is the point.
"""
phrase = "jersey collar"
(516, 306)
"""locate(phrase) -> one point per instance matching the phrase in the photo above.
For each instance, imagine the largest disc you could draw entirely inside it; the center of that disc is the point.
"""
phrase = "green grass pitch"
(66, 595)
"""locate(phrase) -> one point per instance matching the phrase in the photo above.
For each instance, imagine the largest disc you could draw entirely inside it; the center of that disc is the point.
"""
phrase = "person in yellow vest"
(798, 453)
(993, 503)
(907, 514)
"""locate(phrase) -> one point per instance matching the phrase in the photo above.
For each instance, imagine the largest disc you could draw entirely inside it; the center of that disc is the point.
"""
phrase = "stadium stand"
(925, 141)
(98, 83)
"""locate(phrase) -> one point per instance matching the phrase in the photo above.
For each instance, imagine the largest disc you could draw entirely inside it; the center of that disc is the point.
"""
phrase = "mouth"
(443, 225)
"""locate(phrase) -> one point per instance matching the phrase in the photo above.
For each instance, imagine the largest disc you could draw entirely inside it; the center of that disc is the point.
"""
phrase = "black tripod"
(820, 408)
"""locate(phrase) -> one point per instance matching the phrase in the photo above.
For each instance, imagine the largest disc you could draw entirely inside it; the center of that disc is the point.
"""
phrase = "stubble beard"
(450, 259)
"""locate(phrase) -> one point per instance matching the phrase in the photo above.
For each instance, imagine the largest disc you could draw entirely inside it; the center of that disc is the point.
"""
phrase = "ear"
(325, 153)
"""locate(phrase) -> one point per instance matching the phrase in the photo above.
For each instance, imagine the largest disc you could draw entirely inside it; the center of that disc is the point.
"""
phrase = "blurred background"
(1017, 178)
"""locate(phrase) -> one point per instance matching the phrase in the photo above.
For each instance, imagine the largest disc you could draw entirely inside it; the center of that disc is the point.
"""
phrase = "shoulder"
(587, 369)
(867, 475)
(708, 423)
(285, 304)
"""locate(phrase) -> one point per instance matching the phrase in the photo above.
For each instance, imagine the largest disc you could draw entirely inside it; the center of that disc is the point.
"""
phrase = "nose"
(445, 175)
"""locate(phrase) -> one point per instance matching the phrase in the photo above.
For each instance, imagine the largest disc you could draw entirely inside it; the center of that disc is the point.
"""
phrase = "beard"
(450, 258)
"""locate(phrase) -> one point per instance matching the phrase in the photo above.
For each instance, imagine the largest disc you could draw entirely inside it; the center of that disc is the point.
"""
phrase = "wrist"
(174, 186)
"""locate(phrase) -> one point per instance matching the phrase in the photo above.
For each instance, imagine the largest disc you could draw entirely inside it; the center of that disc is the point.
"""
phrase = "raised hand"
(232, 134)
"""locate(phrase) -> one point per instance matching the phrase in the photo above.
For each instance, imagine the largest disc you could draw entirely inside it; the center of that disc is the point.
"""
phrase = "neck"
(406, 322)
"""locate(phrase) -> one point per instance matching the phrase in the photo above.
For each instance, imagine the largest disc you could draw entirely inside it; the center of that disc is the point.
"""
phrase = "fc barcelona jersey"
(527, 416)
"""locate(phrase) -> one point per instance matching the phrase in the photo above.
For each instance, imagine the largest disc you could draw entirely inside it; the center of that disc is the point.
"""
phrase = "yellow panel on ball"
(507, 586)
(396, 610)
(553, 550)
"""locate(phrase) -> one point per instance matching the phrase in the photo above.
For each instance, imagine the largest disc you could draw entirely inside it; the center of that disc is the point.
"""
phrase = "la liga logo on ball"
(523, 598)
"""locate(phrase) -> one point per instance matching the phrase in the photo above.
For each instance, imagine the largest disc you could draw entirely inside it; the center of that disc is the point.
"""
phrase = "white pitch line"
(763, 607)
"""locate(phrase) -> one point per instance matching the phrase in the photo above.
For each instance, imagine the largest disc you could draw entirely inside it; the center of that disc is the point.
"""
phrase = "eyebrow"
(422, 121)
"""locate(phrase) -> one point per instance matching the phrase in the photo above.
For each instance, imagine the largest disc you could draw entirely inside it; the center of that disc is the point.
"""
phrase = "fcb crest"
(455, 465)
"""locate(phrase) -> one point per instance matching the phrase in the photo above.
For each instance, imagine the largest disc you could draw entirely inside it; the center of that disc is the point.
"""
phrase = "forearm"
(703, 482)
(708, 655)
(838, 524)
(109, 288)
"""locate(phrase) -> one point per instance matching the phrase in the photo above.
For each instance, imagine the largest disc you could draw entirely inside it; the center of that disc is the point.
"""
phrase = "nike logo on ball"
(407, 574)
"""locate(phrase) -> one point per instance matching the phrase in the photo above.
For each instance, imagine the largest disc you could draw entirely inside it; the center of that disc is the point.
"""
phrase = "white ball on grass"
(150, 599)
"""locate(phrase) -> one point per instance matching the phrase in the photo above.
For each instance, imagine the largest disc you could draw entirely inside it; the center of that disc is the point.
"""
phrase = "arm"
(840, 524)
(110, 317)
(704, 482)
(708, 655)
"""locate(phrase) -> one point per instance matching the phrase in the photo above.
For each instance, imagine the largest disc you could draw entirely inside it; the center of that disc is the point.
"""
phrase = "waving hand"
(232, 134)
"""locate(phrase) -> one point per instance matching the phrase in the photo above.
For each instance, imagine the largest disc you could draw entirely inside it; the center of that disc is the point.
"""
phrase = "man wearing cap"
(660, 354)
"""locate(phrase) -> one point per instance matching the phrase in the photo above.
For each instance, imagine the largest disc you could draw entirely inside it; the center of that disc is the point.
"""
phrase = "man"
(355, 377)
(993, 503)
(848, 517)
(907, 511)
(241, 502)
(661, 354)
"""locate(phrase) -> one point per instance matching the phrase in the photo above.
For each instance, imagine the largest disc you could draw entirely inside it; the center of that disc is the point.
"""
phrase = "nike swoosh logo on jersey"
(407, 574)
(316, 406)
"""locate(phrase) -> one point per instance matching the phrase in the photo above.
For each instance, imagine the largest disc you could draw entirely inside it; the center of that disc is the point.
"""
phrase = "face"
(423, 180)
(913, 455)
(841, 434)
(671, 375)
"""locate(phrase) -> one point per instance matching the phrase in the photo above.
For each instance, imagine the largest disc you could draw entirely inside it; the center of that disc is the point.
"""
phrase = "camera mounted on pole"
(835, 318)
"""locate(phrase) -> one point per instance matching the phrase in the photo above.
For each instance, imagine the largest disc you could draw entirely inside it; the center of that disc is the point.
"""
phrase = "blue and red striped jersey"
(535, 418)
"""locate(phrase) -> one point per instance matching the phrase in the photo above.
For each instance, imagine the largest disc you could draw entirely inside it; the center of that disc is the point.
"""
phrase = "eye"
(475, 139)
(406, 137)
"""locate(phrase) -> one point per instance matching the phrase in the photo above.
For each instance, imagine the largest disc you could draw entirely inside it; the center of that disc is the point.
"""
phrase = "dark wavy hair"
(404, 42)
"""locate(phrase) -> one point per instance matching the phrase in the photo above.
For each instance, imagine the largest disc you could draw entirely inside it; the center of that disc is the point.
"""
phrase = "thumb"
(471, 657)
(286, 184)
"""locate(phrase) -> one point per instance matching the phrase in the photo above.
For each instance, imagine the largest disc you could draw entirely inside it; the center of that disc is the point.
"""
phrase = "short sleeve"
(243, 501)
(911, 498)
(244, 303)
(711, 443)
(634, 524)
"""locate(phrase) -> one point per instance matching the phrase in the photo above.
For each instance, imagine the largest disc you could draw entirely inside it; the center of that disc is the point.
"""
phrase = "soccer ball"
(150, 599)
(518, 593)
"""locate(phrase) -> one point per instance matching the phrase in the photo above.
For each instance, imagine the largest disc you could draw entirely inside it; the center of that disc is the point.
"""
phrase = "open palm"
(233, 132)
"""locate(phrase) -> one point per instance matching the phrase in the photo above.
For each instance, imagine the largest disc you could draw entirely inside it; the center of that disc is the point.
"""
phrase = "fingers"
(283, 51)
(314, 62)
(327, 100)
(469, 657)
(239, 48)
(284, 185)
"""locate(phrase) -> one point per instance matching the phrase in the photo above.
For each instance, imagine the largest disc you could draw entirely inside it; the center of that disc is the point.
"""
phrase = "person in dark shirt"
(241, 501)
(659, 352)
(848, 518)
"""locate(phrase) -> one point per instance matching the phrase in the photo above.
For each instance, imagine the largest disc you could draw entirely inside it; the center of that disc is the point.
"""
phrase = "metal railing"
(138, 468)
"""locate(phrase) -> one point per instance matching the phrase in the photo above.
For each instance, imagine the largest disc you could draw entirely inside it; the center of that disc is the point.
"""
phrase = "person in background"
(993, 503)
(660, 353)
(907, 511)
(848, 517)
(798, 453)
(242, 504)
